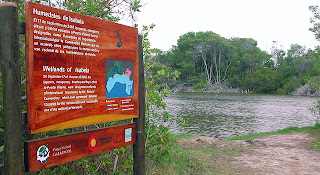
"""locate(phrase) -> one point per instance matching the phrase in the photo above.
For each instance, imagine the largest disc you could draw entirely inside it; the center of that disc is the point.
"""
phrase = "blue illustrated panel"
(119, 79)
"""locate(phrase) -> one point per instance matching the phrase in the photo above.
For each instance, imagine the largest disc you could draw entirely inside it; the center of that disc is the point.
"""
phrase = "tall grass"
(178, 161)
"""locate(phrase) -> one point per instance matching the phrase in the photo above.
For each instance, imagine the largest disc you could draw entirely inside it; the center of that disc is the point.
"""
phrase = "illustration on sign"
(119, 78)
(43, 154)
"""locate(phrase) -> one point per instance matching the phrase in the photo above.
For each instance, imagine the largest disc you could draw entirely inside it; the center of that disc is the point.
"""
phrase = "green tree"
(246, 56)
(182, 57)
(293, 63)
(297, 67)
(314, 56)
(315, 20)
(214, 51)
(206, 58)
(262, 80)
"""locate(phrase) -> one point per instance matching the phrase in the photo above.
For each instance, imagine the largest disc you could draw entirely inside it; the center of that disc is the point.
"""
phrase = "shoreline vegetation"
(305, 90)
(191, 154)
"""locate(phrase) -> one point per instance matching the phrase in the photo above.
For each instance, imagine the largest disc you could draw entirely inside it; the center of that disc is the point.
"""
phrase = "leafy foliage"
(262, 80)
(314, 83)
(206, 61)
(315, 20)
(316, 111)
(207, 58)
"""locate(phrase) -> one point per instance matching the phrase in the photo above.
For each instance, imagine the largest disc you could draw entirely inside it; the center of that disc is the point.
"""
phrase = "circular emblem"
(43, 154)
(92, 142)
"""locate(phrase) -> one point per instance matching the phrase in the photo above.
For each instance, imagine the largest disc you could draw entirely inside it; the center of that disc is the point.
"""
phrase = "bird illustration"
(119, 44)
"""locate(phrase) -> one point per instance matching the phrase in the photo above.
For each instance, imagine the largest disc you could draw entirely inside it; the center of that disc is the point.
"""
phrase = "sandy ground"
(282, 154)
(285, 154)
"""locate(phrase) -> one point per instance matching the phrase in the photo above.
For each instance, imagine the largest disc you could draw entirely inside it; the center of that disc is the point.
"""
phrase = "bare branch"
(23, 81)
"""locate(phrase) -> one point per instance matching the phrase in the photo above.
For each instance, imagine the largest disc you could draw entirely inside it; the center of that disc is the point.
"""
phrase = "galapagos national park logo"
(43, 154)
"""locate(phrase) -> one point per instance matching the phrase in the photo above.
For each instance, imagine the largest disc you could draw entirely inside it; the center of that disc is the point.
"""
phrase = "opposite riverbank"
(305, 90)
(289, 151)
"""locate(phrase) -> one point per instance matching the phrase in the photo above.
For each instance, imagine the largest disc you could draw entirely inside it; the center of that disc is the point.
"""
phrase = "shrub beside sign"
(81, 70)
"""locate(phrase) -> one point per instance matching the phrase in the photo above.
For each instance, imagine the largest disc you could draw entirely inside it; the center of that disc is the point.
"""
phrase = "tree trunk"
(204, 58)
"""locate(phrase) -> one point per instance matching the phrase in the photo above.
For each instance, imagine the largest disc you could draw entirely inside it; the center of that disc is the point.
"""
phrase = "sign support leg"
(11, 76)
(139, 147)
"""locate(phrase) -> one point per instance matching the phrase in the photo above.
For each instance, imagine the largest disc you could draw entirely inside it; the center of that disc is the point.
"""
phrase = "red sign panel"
(80, 70)
(40, 154)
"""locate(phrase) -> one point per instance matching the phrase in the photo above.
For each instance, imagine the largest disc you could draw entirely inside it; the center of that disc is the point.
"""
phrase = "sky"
(284, 21)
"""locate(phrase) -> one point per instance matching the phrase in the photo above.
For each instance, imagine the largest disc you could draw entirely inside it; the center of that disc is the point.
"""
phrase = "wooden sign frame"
(81, 70)
(12, 105)
(44, 153)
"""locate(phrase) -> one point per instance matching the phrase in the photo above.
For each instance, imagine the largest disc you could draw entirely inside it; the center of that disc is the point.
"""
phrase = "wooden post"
(139, 152)
(11, 75)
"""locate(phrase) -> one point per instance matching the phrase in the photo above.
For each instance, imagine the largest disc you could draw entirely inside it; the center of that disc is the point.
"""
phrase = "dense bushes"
(206, 58)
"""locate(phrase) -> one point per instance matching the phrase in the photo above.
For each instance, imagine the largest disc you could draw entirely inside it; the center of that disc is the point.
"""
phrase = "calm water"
(229, 115)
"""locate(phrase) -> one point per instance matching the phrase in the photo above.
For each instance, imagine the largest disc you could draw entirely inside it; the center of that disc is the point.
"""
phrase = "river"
(230, 115)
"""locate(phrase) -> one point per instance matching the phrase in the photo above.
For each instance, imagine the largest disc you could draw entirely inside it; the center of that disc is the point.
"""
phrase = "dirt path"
(284, 154)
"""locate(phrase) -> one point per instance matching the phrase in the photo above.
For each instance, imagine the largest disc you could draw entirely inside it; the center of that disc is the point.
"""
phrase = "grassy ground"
(216, 160)
(315, 130)
(201, 158)
(185, 158)
(178, 161)
(316, 143)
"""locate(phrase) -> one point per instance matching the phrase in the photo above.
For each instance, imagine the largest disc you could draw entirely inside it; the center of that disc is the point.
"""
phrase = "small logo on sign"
(128, 134)
(92, 142)
(43, 154)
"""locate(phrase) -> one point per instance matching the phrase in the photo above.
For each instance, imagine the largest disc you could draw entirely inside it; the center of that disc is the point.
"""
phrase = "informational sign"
(81, 70)
(40, 154)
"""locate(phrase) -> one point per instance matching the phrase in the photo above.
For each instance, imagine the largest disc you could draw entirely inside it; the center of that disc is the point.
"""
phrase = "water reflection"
(229, 115)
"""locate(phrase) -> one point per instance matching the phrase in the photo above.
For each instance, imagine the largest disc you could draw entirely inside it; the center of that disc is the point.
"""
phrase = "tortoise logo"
(43, 154)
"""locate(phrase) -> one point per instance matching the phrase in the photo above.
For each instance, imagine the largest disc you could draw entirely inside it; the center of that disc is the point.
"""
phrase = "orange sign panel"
(44, 153)
(81, 70)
